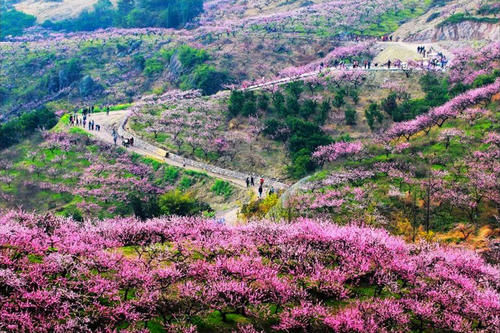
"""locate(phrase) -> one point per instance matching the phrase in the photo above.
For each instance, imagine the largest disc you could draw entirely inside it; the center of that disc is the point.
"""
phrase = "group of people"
(126, 142)
(251, 182)
(74, 120)
(436, 59)
(421, 50)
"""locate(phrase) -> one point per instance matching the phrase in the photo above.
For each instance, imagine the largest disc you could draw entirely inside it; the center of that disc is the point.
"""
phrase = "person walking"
(261, 181)
(389, 64)
(252, 181)
(260, 191)
(107, 111)
(248, 182)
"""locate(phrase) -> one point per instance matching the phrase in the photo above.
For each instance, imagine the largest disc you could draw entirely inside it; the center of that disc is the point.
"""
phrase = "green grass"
(117, 107)
(222, 188)
(171, 174)
(185, 183)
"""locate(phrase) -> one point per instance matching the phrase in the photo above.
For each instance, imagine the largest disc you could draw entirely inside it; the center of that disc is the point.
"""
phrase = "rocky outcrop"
(467, 30)
(175, 67)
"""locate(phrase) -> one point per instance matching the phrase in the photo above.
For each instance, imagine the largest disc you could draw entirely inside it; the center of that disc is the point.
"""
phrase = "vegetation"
(130, 13)
(401, 108)
(192, 274)
(14, 22)
(181, 204)
(463, 17)
(17, 129)
(290, 119)
(222, 188)
(392, 229)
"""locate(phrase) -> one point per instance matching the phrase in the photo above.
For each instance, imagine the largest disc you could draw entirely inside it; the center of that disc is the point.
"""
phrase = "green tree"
(324, 111)
(350, 116)
(207, 79)
(13, 22)
(435, 88)
(390, 104)
(295, 89)
(236, 101)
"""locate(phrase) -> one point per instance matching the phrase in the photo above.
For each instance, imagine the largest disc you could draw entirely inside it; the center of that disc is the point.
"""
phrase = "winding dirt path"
(117, 120)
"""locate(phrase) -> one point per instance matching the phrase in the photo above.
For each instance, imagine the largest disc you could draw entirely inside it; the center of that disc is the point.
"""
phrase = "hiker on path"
(107, 111)
(261, 181)
(389, 64)
(248, 182)
(252, 181)
(260, 191)
(271, 190)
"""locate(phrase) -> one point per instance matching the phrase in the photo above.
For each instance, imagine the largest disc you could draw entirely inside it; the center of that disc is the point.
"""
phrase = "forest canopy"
(132, 14)
(13, 22)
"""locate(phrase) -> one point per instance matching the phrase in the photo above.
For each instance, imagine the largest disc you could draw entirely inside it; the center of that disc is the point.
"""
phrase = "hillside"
(250, 166)
(54, 10)
(457, 20)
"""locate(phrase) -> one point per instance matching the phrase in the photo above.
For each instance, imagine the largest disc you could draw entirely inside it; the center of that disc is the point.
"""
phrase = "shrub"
(350, 116)
(205, 78)
(170, 174)
(259, 208)
(275, 129)
(14, 130)
(191, 57)
(485, 79)
(185, 183)
(153, 66)
(222, 188)
(182, 204)
(433, 16)
(302, 164)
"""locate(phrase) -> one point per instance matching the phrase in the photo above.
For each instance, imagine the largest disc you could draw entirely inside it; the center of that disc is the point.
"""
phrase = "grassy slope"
(108, 60)
(425, 147)
(55, 10)
(74, 163)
